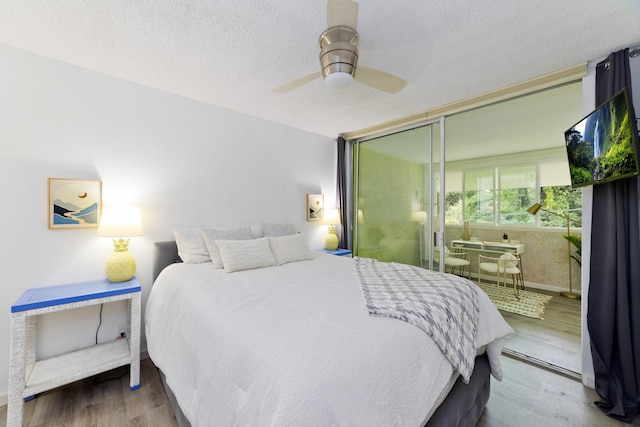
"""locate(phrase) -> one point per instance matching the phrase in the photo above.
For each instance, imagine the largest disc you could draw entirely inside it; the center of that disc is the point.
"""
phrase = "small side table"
(28, 376)
(337, 252)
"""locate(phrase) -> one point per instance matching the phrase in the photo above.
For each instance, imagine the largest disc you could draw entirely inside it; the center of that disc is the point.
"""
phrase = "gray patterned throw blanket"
(443, 305)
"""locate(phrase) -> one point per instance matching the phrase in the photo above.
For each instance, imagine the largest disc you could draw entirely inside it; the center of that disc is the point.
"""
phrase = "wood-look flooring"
(102, 402)
(528, 396)
(556, 339)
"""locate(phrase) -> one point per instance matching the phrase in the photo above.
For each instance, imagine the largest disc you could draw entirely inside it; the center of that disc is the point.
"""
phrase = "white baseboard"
(4, 398)
(549, 288)
(589, 381)
(527, 284)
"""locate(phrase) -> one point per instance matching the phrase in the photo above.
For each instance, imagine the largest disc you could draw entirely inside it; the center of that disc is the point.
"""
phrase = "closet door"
(397, 196)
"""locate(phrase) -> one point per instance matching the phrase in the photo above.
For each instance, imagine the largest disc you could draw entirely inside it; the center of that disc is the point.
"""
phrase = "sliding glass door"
(397, 197)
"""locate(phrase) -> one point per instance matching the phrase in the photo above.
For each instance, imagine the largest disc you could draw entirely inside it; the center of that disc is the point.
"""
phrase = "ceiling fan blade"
(342, 12)
(294, 84)
(379, 80)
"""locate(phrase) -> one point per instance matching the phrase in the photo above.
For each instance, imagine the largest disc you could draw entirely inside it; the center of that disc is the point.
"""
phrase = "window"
(479, 196)
(557, 196)
(564, 200)
(453, 198)
(517, 193)
(481, 201)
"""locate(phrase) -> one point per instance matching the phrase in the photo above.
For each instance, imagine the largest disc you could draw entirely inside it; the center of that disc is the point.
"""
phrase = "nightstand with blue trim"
(28, 376)
(337, 252)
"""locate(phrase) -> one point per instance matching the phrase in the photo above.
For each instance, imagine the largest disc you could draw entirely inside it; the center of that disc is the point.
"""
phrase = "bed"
(291, 344)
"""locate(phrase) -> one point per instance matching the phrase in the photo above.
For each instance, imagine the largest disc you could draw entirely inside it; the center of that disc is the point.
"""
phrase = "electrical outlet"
(122, 331)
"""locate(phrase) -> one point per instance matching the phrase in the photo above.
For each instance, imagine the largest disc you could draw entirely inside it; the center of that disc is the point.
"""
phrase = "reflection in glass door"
(397, 192)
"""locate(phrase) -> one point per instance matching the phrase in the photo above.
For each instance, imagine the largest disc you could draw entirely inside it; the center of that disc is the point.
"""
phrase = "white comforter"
(294, 346)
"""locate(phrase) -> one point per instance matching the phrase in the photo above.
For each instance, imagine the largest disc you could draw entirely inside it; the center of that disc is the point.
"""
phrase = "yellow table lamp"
(120, 223)
(332, 217)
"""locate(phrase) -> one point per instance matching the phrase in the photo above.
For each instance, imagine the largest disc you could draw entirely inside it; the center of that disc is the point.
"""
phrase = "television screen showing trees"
(602, 146)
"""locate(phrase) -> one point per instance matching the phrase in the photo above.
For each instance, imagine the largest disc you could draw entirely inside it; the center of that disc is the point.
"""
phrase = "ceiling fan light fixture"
(339, 56)
(339, 80)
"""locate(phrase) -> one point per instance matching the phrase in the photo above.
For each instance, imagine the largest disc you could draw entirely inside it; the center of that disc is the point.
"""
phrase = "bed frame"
(462, 407)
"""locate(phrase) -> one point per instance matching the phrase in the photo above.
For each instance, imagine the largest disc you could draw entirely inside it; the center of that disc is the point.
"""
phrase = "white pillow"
(191, 246)
(210, 236)
(240, 255)
(275, 230)
(290, 248)
(256, 231)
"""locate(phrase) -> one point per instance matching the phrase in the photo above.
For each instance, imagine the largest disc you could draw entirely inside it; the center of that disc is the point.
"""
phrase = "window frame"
(497, 190)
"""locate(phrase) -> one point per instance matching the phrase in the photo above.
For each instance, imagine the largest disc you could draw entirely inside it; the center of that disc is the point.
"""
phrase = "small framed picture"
(74, 203)
(315, 207)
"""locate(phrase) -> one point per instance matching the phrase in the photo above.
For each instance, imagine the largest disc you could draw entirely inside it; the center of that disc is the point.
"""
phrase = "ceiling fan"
(339, 54)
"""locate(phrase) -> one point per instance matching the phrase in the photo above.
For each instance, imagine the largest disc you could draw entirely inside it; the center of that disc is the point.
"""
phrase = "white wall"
(184, 163)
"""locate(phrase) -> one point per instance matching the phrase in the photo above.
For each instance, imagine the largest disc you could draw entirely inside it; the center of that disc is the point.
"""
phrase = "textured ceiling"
(529, 123)
(234, 53)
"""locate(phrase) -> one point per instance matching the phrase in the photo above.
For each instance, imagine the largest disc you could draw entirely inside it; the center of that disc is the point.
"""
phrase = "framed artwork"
(74, 203)
(315, 207)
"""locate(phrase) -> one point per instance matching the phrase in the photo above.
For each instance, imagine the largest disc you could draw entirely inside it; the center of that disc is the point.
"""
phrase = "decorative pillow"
(290, 248)
(210, 236)
(256, 231)
(240, 255)
(191, 246)
(276, 230)
(510, 260)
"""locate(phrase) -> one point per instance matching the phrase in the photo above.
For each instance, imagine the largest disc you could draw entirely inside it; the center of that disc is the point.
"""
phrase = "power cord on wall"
(114, 374)
(99, 324)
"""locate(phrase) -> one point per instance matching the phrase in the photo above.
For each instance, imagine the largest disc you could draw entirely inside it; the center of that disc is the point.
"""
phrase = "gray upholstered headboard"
(165, 253)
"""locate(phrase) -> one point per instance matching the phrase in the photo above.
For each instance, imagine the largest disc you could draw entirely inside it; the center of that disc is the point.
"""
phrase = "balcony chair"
(458, 260)
(507, 264)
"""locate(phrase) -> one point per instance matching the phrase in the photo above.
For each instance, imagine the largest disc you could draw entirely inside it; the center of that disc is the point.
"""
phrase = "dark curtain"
(344, 170)
(613, 316)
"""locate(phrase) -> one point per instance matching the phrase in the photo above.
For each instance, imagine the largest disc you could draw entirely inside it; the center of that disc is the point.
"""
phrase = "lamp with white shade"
(120, 223)
(420, 217)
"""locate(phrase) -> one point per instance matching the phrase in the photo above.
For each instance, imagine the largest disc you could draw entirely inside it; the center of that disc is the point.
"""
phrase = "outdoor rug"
(531, 304)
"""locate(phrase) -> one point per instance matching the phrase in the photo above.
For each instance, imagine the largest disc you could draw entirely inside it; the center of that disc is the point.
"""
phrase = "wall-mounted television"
(604, 145)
